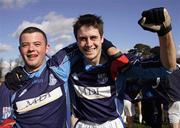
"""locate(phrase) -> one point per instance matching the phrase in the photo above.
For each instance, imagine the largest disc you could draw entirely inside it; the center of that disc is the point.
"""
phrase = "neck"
(99, 60)
(31, 69)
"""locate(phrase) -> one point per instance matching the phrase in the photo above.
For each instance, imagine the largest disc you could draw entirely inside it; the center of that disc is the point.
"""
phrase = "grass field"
(137, 125)
(143, 125)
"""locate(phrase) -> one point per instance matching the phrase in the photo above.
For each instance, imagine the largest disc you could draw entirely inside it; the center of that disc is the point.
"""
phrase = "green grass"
(143, 125)
(137, 125)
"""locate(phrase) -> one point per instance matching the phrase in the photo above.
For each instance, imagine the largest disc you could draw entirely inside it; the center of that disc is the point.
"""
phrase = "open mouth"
(32, 55)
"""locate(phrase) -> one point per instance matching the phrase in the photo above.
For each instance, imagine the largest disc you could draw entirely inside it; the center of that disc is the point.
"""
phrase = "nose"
(88, 42)
(31, 47)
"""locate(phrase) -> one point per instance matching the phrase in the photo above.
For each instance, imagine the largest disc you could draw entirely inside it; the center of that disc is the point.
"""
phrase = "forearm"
(168, 51)
(109, 48)
(158, 20)
(112, 51)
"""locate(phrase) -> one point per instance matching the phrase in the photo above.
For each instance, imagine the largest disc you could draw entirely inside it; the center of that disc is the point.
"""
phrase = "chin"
(89, 56)
(32, 64)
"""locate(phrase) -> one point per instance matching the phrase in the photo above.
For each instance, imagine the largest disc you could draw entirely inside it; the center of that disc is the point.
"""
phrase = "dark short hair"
(88, 20)
(32, 30)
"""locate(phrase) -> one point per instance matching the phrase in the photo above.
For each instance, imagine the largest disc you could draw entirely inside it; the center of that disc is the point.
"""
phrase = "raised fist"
(156, 20)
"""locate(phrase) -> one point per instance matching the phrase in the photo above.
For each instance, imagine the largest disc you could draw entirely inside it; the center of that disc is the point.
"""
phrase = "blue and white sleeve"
(63, 60)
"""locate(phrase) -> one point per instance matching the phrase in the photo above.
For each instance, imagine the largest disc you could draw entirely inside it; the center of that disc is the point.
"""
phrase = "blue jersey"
(94, 92)
(140, 68)
(169, 88)
(41, 102)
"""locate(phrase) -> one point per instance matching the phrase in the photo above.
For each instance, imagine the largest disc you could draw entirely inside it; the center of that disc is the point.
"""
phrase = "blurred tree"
(145, 49)
(1, 68)
(19, 61)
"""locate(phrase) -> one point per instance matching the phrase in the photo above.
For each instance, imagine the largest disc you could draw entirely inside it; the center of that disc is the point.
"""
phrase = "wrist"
(164, 30)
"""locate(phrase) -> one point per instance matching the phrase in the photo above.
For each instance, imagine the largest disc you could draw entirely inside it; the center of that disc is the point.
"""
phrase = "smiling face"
(33, 49)
(90, 42)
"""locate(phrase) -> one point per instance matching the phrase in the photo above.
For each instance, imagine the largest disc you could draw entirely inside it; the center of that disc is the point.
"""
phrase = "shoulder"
(5, 92)
(4, 89)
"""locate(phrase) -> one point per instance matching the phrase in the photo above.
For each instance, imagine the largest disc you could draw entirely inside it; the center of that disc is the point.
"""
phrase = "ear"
(47, 47)
(19, 49)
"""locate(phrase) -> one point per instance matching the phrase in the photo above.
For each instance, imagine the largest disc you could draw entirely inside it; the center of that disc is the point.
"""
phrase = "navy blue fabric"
(53, 75)
(51, 115)
(94, 110)
(169, 88)
(5, 102)
(143, 68)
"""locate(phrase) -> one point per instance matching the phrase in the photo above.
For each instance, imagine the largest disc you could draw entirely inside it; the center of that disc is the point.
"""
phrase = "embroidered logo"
(52, 80)
(102, 78)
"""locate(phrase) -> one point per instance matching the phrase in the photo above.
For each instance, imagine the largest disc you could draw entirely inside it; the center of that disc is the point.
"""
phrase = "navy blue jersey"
(174, 88)
(95, 93)
(140, 68)
(41, 102)
(169, 88)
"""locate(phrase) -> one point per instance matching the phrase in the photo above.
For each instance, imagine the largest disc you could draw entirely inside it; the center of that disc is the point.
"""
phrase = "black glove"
(156, 20)
(15, 79)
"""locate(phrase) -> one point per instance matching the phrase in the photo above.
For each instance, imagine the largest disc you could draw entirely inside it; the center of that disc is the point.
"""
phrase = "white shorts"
(116, 123)
(129, 108)
(174, 112)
